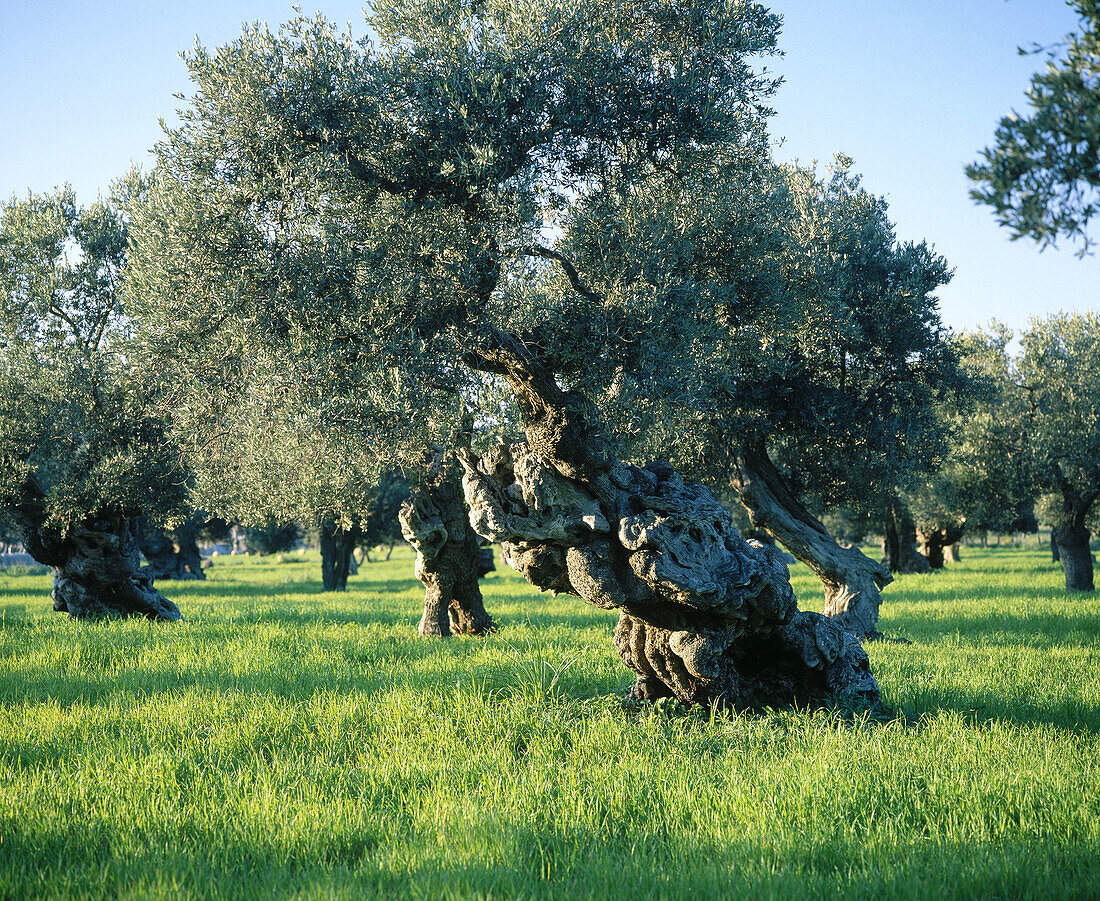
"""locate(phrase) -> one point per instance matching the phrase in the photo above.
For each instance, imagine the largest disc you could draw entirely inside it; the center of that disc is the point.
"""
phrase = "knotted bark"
(98, 573)
(435, 522)
(704, 615)
(851, 579)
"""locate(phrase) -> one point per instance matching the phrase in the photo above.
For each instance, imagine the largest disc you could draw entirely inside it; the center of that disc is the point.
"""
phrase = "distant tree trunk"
(901, 540)
(704, 615)
(1071, 539)
(170, 554)
(1055, 554)
(851, 580)
(485, 562)
(932, 543)
(954, 553)
(435, 521)
(389, 550)
(1076, 557)
(337, 548)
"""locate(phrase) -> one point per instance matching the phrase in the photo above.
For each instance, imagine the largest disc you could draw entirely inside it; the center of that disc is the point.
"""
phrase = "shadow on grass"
(623, 860)
(1037, 629)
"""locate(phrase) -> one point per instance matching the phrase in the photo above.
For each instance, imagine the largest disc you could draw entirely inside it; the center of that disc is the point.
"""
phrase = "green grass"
(290, 744)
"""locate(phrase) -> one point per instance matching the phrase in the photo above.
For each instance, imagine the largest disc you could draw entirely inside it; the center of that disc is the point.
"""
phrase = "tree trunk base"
(705, 616)
(170, 555)
(1075, 555)
(97, 574)
(337, 554)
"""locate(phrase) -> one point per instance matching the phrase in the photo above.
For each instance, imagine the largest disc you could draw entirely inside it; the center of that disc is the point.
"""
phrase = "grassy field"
(290, 744)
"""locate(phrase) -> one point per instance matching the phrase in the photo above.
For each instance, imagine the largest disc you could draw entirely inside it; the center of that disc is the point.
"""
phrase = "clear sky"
(911, 90)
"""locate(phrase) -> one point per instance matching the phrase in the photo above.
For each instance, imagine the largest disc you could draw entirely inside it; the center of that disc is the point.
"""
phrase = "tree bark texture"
(1055, 554)
(932, 543)
(170, 554)
(953, 552)
(434, 520)
(851, 579)
(704, 615)
(337, 549)
(98, 573)
(1074, 552)
(900, 541)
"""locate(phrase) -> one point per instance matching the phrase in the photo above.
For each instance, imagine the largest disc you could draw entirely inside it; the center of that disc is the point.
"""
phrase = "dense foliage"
(337, 230)
(1041, 435)
(79, 440)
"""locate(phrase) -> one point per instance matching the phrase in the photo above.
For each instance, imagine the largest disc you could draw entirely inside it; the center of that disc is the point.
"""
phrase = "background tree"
(1059, 372)
(83, 452)
(1047, 416)
(1042, 174)
(172, 553)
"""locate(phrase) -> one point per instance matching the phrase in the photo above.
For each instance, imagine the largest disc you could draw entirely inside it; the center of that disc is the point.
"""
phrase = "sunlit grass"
(287, 743)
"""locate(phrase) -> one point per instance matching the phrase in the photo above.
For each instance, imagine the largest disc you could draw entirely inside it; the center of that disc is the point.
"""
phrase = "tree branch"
(546, 253)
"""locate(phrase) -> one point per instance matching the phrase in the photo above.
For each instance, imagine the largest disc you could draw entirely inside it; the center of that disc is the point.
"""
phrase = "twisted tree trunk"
(434, 520)
(337, 548)
(900, 541)
(170, 554)
(98, 573)
(703, 614)
(850, 578)
(953, 553)
(933, 542)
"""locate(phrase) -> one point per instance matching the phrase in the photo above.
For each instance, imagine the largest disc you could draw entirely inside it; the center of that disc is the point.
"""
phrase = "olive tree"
(83, 452)
(821, 359)
(349, 251)
(1046, 422)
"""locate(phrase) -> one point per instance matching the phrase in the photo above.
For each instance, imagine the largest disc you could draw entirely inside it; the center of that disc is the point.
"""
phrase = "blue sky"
(911, 91)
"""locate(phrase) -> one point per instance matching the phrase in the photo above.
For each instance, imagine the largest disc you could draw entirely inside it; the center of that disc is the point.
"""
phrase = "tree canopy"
(339, 233)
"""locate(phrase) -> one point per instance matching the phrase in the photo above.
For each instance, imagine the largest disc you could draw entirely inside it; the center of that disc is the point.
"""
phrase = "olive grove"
(557, 215)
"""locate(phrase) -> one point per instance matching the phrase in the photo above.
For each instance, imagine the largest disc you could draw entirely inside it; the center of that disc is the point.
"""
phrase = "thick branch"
(546, 253)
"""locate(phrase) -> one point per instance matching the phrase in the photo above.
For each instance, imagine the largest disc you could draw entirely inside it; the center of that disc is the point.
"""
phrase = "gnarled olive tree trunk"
(933, 543)
(337, 549)
(97, 571)
(1070, 538)
(704, 615)
(434, 520)
(900, 540)
(170, 554)
(850, 578)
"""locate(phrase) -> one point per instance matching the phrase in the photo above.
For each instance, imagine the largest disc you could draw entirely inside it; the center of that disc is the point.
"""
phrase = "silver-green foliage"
(78, 438)
(337, 227)
(1042, 174)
